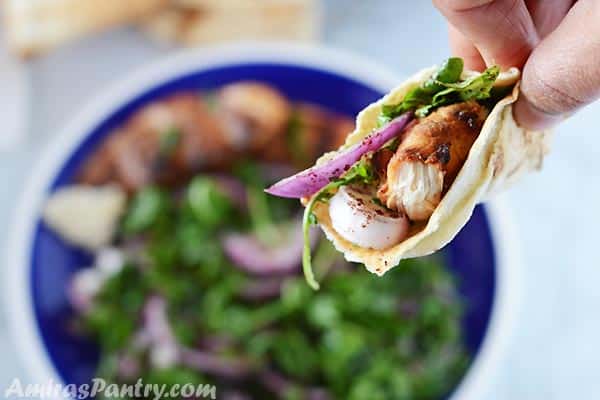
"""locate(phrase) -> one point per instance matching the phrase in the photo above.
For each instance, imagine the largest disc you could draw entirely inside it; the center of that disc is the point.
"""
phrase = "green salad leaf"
(145, 210)
(443, 88)
(263, 211)
(362, 337)
(422, 95)
(208, 202)
(477, 87)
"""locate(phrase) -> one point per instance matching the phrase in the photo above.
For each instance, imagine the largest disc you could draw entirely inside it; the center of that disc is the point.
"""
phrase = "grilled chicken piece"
(209, 132)
(311, 132)
(320, 131)
(254, 114)
(430, 155)
(135, 154)
(203, 142)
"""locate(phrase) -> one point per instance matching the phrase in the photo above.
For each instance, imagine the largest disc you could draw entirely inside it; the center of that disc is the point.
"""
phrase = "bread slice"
(36, 26)
(194, 22)
(232, 5)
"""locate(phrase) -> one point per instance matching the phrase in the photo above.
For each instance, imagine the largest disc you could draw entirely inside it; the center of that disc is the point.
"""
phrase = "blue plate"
(52, 262)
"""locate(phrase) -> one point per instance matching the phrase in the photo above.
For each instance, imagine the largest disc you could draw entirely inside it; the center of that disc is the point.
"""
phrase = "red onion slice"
(84, 285)
(275, 382)
(249, 254)
(262, 289)
(311, 180)
(156, 321)
(164, 351)
(215, 364)
(128, 367)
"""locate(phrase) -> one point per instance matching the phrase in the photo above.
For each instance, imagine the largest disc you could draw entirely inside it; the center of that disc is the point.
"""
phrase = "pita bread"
(36, 26)
(195, 22)
(236, 5)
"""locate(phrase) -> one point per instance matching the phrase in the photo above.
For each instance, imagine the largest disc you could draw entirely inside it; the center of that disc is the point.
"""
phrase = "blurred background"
(56, 55)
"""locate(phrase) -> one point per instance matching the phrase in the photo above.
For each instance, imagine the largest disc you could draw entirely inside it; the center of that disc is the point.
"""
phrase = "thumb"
(502, 30)
(563, 72)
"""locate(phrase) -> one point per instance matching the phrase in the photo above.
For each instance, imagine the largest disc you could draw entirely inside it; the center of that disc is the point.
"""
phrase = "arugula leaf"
(449, 72)
(115, 309)
(261, 217)
(477, 87)
(209, 205)
(441, 89)
(145, 210)
(264, 211)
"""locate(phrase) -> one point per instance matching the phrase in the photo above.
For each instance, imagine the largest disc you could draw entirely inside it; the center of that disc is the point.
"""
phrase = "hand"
(556, 42)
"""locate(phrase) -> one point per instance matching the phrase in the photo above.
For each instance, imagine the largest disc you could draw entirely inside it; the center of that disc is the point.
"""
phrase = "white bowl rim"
(18, 296)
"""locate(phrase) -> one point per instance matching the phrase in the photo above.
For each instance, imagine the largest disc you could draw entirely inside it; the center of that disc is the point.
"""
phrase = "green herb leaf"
(145, 210)
(294, 354)
(208, 203)
(443, 88)
(449, 72)
(421, 96)
(477, 87)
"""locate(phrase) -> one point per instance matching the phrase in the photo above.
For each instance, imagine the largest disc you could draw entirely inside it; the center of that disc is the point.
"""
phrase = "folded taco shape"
(418, 162)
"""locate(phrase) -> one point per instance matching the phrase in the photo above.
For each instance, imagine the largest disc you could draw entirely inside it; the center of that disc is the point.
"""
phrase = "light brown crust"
(34, 27)
(194, 22)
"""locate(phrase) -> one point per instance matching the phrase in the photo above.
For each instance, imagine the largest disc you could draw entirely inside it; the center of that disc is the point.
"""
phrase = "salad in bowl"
(156, 253)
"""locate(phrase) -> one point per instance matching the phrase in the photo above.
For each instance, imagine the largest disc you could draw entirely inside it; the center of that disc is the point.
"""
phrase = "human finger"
(462, 47)
(502, 30)
(562, 73)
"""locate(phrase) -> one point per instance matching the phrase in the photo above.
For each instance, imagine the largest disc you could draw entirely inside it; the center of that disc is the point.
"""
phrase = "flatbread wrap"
(418, 162)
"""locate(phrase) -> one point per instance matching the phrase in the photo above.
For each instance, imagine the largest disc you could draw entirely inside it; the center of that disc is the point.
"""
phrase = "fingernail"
(531, 117)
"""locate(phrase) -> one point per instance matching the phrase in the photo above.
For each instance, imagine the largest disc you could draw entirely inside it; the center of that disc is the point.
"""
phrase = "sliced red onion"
(275, 382)
(280, 385)
(141, 340)
(84, 285)
(164, 351)
(234, 395)
(156, 321)
(213, 364)
(262, 289)
(316, 393)
(248, 253)
(128, 367)
(215, 343)
(87, 283)
(311, 180)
